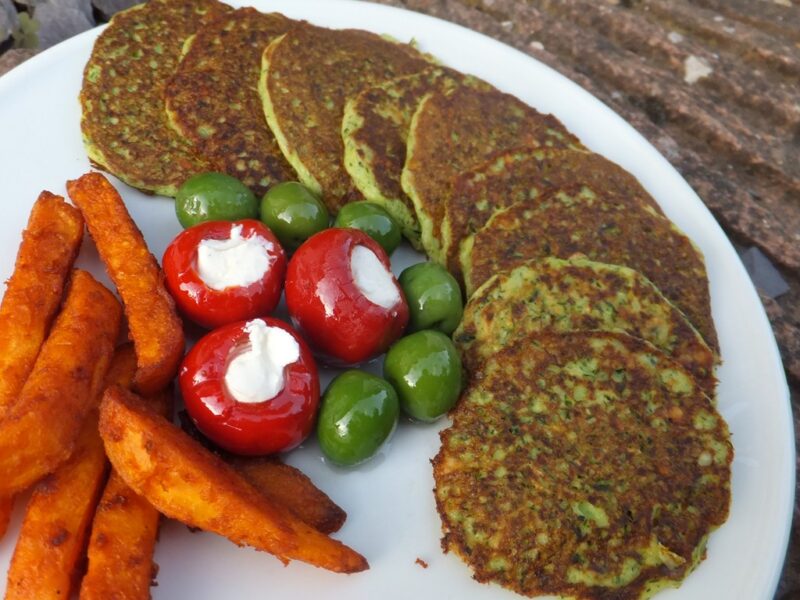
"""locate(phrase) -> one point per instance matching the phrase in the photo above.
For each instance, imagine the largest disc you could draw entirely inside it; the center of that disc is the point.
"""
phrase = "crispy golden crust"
(586, 465)
(39, 431)
(308, 75)
(124, 122)
(33, 294)
(606, 227)
(155, 327)
(290, 487)
(177, 476)
(124, 532)
(454, 130)
(56, 524)
(375, 129)
(552, 294)
(212, 99)
(522, 175)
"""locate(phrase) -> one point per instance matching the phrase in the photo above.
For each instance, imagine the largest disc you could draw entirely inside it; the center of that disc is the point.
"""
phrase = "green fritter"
(212, 100)
(583, 465)
(307, 75)
(523, 174)
(577, 294)
(606, 227)
(454, 130)
(375, 129)
(124, 121)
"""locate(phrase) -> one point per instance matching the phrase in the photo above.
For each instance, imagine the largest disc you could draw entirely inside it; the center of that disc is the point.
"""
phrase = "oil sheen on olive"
(425, 370)
(214, 197)
(359, 412)
(433, 296)
(293, 213)
(372, 220)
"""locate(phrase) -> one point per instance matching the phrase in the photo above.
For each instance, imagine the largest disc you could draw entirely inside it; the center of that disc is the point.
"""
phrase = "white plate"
(391, 514)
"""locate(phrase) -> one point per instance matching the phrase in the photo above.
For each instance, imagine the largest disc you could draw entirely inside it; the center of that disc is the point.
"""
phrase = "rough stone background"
(713, 84)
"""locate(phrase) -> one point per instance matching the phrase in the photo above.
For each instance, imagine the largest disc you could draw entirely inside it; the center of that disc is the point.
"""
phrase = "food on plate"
(524, 175)
(290, 487)
(552, 294)
(57, 519)
(293, 213)
(343, 297)
(124, 530)
(214, 197)
(33, 293)
(372, 220)
(375, 129)
(452, 131)
(220, 272)
(606, 227)
(251, 387)
(359, 413)
(433, 296)
(51, 543)
(186, 482)
(156, 330)
(124, 121)
(307, 75)
(212, 101)
(425, 369)
(583, 465)
(39, 431)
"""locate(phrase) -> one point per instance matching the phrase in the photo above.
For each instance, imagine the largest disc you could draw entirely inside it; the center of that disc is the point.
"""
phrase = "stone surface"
(8, 19)
(62, 19)
(15, 57)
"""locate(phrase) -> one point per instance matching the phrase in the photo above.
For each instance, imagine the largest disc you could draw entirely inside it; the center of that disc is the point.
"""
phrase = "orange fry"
(39, 431)
(186, 482)
(49, 247)
(290, 487)
(124, 532)
(56, 522)
(156, 330)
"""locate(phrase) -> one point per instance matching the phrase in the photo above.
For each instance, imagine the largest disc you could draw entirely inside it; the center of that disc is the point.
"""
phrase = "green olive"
(433, 296)
(214, 197)
(425, 369)
(359, 412)
(372, 220)
(293, 213)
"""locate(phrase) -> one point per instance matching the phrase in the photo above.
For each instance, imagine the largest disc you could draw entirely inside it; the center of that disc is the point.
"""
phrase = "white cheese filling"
(372, 278)
(235, 262)
(256, 374)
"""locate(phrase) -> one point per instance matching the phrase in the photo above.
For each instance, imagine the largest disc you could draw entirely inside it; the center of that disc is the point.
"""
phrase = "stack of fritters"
(586, 457)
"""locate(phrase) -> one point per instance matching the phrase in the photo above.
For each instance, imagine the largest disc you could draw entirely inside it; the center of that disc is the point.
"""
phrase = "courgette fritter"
(577, 294)
(454, 130)
(585, 465)
(124, 120)
(307, 75)
(524, 174)
(212, 100)
(606, 227)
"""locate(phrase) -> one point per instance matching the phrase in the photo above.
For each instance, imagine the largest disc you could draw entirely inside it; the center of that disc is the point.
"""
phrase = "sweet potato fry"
(156, 330)
(6, 507)
(49, 247)
(39, 431)
(56, 522)
(290, 487)
(124, 532)
(188, 483)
